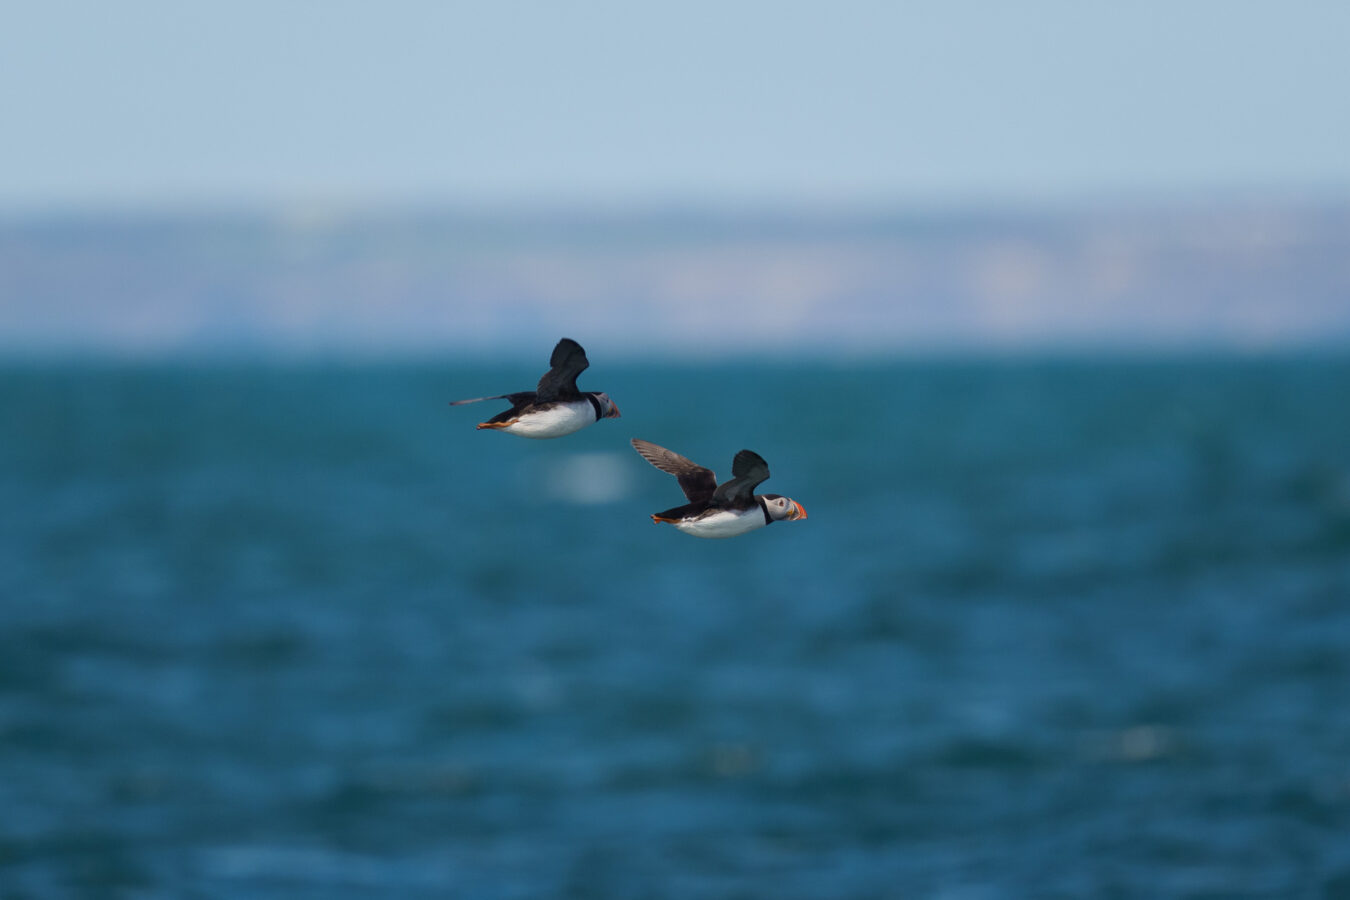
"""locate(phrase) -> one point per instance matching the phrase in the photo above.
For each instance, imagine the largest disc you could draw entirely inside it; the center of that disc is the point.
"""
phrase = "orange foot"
(658, 519)
(497, 425)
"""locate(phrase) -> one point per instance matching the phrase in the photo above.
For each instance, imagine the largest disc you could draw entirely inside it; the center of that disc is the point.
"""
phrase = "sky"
(163, 103)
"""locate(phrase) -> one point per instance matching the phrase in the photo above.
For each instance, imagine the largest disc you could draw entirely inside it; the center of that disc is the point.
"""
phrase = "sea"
(1056, 626)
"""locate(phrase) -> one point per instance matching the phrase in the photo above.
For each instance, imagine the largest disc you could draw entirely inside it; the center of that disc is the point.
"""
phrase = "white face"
(783, 508)
(607, 408)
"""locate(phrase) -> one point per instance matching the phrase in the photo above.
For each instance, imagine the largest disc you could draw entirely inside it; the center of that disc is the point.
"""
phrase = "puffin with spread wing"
(556, 407)
(720, 510)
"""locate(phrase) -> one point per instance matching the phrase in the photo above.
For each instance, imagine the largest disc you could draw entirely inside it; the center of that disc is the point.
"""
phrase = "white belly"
(724, 523)
(557, 421)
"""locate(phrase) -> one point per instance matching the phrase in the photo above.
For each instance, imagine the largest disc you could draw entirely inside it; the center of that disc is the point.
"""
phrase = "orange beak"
(798, 512)
(613, 412)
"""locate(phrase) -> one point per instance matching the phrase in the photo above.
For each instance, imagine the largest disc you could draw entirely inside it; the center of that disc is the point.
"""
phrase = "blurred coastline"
(1238, 275)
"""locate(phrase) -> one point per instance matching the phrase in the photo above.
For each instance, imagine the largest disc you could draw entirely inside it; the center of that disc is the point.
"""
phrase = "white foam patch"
(587, 478)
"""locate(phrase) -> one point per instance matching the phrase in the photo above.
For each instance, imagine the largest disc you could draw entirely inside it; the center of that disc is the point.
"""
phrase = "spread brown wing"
(697, 482)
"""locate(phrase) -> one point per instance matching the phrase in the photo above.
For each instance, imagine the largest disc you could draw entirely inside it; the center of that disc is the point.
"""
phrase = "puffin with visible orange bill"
(556, 407)
(720, 510)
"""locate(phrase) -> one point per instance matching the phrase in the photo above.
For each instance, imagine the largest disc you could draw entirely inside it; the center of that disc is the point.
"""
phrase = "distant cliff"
(1213, 276)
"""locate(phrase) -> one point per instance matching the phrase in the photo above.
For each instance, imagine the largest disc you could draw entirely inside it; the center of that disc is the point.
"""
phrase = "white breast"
(724, 523)
(556, 421)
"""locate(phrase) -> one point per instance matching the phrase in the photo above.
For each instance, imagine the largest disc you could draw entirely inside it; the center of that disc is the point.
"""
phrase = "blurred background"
(1042, 311)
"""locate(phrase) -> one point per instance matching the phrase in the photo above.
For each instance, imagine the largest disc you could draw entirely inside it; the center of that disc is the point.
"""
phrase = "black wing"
(697, 482)
(748, 471)
(560, 381)
(517, 400)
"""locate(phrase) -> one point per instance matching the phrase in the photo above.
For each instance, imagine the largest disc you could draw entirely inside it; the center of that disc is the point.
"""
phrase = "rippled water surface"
(1052, 629)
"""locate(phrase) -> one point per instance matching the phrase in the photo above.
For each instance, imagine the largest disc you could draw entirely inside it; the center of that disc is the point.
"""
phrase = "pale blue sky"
(177, 103)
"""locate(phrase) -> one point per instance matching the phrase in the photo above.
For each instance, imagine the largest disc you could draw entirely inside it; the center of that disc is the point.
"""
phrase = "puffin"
(719, 510)
(555, 407)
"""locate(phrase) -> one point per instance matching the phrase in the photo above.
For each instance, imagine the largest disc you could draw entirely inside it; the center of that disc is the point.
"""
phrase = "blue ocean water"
(1054, 628)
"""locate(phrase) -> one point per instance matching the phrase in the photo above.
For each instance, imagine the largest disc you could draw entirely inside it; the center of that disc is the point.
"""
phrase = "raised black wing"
(560, 381)
(748, 471)
(697, 482)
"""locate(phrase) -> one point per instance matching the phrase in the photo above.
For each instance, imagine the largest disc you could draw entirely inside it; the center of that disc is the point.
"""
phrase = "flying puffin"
(719, 510)
(555, 407)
